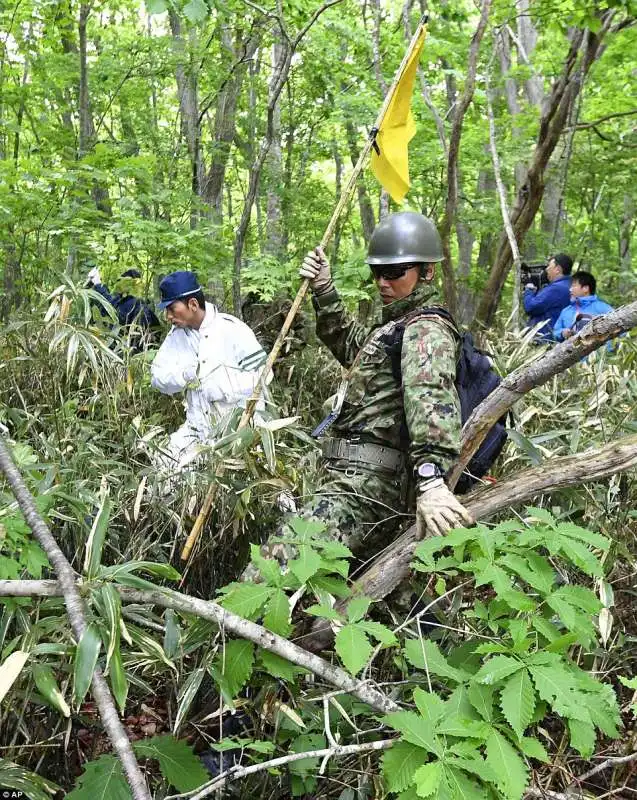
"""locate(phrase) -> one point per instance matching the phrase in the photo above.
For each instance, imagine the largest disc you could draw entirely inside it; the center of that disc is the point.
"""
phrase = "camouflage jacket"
(421, 415)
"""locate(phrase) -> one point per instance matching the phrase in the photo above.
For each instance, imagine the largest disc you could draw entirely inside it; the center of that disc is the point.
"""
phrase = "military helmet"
(403, 238)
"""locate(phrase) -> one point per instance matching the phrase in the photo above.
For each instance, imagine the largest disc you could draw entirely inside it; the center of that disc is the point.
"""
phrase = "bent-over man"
(213, 357)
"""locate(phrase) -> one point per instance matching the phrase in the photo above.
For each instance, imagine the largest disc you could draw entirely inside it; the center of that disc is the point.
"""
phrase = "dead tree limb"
(599, 331)
(392, 566)
(77, 616)
(207, 609)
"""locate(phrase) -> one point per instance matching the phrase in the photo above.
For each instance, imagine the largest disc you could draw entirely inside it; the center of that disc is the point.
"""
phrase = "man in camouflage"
(386, 432)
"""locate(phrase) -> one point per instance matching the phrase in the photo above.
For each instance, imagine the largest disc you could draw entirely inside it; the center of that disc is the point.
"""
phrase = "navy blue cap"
(177, 285)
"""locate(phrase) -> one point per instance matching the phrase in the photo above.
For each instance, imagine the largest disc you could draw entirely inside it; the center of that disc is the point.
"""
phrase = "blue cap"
(177, 285)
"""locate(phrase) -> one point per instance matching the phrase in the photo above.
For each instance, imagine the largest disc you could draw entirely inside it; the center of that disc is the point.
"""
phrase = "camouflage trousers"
(360, 508)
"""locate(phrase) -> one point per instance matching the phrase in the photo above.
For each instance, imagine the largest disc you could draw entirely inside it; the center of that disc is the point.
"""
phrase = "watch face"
(427, 470)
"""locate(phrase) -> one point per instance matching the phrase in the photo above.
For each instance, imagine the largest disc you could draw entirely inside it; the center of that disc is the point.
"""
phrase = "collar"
(423, 295)
(210, 316)
(587, 300)
(563, 278)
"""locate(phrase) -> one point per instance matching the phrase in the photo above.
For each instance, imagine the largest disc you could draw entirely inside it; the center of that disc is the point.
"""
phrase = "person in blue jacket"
(131, 310)
(544, 305)
(584, 305)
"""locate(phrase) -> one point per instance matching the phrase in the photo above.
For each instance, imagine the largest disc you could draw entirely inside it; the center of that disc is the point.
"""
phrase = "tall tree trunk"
(87, 128)
(451, 205)
(564, 93)
(225, 124)
(186, 76)
(368, 223)
(274, 172)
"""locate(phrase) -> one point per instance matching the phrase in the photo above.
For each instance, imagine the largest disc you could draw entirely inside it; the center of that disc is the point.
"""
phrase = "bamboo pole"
(300, 296)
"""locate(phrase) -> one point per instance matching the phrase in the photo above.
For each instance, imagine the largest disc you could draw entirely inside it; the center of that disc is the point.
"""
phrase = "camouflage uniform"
(363, 505)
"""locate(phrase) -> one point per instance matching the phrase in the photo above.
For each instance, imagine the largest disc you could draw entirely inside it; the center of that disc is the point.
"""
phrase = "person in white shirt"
(213, 357)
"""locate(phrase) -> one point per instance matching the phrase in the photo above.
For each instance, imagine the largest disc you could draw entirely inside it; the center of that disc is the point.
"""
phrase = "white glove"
(438, 510)
(94, 277)
(316, 268)
(530, 286)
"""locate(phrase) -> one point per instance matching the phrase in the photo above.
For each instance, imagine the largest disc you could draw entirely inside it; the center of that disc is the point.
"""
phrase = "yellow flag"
(390, 164)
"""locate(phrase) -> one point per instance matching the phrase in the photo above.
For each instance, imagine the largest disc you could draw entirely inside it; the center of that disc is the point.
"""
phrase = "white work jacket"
(218, 366)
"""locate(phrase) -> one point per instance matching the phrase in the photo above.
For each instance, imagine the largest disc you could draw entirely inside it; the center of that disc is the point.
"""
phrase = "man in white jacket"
(213, 357)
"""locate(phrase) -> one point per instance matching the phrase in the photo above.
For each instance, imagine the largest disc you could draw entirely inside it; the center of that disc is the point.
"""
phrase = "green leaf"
(481, 698)
(187, 692)
(555, 685)
(118, 679)
(279, 667)
(379, 632)
(541, 515)
(111, 607)
(277, 615)
(172, 633)
(86, 655)
(580, 555)
(353, 648)
(195, 11)
(497, 669)
(49, 689)
(532, 748)
(456, 725)
(517, 701)
(431, 707)
(178, 764)
(583, 737)
(156, 6)
(95, 541)
(234, 665)
(13, 776)
(415, 730)
(400, 763)
(507, 765)
(101, 780)
(307, 564)
(357, 608)
(269, 568)
(428, 779)
(421, 652)
(542, 581)
(461, 787)
(246, 599)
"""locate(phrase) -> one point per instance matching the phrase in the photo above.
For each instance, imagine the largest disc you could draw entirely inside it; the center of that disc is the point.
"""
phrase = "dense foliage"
(217, 137)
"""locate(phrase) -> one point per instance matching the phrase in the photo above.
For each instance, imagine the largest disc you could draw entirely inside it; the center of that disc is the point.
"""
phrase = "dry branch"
(76, 611)
(238, 772)
(207, 609)
(599, 331)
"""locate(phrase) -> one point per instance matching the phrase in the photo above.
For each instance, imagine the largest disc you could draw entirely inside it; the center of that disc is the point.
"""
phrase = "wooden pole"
(300, 296)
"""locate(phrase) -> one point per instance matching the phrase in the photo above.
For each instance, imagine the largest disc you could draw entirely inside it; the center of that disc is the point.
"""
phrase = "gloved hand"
(94, 277)
(316, 268)
(438, 510)
(530, 286)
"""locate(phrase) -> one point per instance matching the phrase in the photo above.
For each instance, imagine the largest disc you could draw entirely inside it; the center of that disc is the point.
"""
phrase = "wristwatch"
(427, 471)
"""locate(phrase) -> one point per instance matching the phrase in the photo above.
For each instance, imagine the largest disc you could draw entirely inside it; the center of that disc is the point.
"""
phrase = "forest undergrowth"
(514, 669)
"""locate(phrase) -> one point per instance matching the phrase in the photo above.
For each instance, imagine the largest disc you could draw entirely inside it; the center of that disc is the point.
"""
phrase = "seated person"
(583, 307)
(544, 305)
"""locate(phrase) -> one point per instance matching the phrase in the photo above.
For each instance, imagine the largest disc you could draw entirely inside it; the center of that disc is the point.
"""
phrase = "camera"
(534, 272)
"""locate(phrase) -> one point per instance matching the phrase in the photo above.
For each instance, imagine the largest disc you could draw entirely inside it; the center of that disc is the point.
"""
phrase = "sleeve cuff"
(322, 300)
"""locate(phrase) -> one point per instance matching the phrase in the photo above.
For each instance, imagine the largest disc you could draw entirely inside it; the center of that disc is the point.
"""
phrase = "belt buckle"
(352, 447)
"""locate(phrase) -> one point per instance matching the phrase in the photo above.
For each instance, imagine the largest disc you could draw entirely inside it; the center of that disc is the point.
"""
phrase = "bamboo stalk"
(300, 296)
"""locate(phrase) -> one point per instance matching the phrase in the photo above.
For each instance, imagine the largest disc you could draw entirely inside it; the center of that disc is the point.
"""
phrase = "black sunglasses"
(390, 272)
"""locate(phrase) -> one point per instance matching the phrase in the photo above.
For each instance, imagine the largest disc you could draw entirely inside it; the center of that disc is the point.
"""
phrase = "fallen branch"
(238, 772)
(207, 609)
(76, 611)
(599, 331)
(613, 761)
(392, 566)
